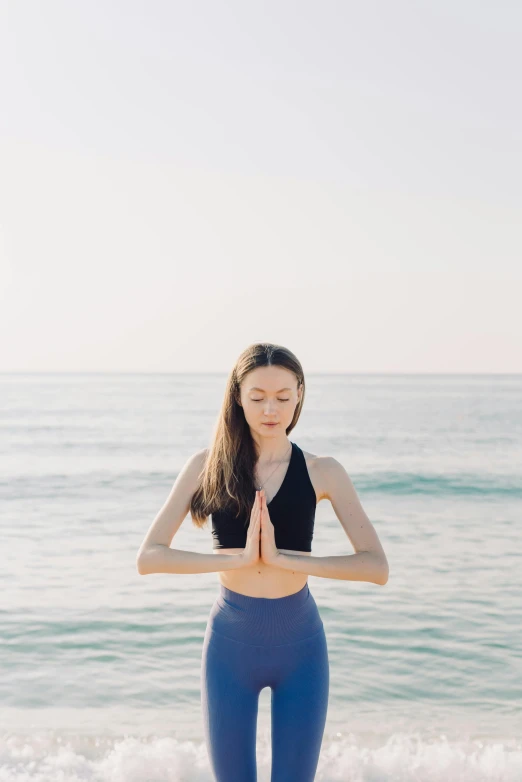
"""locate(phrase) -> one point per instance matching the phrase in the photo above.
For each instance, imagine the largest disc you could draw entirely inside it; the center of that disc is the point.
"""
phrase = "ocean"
(100, 666)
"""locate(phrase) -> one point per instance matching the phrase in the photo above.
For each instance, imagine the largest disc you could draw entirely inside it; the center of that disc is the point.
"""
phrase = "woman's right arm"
(155, 554)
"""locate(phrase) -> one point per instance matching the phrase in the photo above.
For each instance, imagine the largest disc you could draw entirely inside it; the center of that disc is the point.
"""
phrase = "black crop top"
(291, 509)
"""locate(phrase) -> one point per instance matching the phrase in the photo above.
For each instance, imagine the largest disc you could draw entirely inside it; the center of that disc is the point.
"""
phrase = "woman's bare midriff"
(260, 579)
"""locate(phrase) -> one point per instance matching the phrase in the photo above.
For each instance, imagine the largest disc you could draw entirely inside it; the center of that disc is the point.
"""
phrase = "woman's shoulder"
(318, 461)
(193, 467)
(198, 458)
(320, 467)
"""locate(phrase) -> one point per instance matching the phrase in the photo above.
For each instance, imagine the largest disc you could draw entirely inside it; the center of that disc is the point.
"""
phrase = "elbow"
(150, 559)
(140, 565)
(380, 570)
(377, 568)
(143, 562)
(384, 572)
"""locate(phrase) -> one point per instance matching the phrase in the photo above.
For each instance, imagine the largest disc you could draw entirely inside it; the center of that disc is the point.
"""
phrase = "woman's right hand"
(250, 554)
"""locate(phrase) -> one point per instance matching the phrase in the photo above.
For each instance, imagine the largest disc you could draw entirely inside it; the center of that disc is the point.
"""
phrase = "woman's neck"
(271, 450)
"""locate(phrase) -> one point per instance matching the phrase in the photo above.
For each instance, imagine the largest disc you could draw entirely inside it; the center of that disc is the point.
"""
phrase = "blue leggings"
(256, 642)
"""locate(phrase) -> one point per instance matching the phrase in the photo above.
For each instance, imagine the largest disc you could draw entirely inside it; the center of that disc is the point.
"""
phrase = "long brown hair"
(227, 478)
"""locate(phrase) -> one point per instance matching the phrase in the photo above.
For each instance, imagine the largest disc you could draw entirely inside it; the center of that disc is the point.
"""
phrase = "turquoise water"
(100, 666)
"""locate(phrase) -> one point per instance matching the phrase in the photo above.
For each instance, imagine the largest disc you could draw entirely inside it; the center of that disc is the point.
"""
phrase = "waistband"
(265, 621)
(247, 601)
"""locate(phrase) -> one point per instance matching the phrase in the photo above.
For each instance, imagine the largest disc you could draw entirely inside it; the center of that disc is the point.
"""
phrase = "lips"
(269, 424)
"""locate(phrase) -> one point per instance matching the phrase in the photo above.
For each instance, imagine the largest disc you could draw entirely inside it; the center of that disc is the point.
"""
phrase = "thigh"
(299, 708)
(229, 700)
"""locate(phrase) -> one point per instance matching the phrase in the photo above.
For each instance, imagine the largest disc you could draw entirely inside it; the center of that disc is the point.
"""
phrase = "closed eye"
(279, 400)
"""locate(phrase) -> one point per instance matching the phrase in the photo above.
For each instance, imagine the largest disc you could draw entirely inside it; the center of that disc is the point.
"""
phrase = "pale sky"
(180, 179)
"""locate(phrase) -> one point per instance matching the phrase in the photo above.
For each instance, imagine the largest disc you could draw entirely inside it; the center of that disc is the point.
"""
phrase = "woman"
(264, 628)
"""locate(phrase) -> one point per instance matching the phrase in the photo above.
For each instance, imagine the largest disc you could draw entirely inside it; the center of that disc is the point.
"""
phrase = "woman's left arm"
(369, 562)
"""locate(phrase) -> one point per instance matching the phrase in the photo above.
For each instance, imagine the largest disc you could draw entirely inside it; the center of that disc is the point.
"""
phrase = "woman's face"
(269, 395)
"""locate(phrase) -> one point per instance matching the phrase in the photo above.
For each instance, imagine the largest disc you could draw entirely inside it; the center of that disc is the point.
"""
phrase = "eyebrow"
(254, 388)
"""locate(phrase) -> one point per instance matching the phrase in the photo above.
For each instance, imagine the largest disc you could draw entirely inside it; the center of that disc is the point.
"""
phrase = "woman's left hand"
(269, 552)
